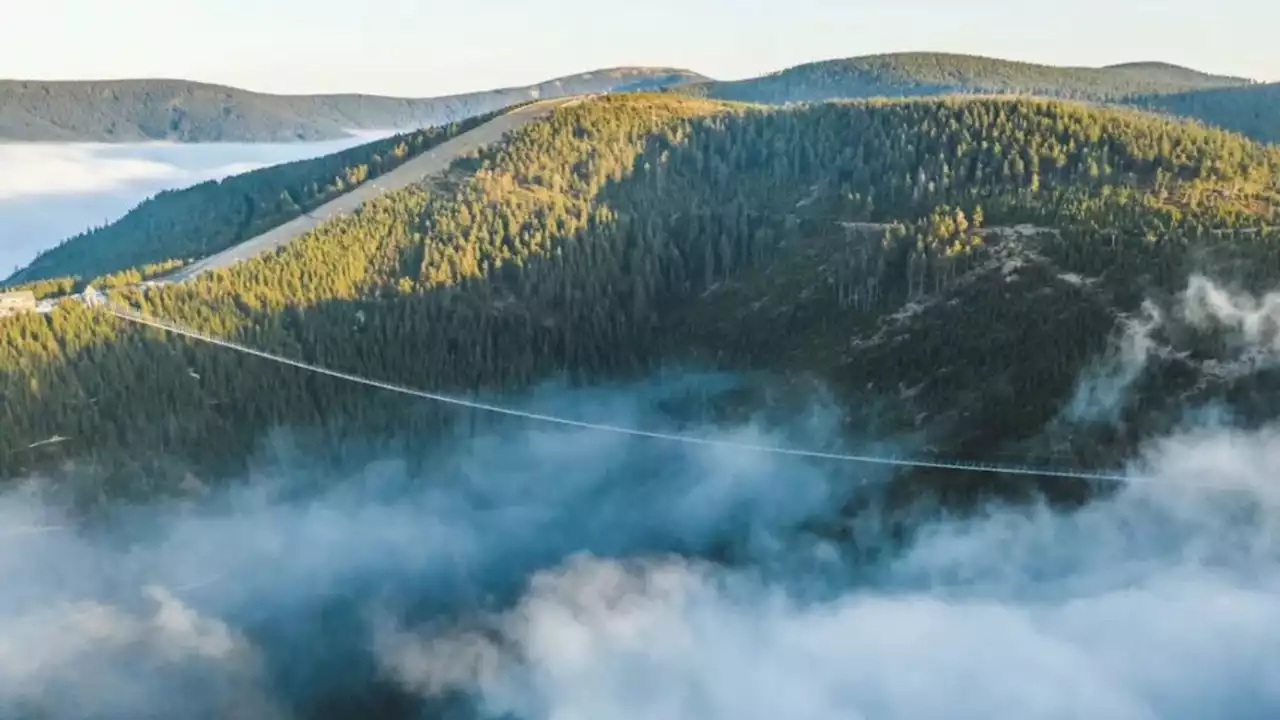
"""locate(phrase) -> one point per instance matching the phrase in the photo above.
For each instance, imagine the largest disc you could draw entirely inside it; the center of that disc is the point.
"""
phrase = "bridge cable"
(140, 319)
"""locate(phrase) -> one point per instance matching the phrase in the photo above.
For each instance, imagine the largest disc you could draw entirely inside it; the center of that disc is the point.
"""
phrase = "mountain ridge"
(1238, 104)
(1173, 70)
(191, 111)
(930, 73)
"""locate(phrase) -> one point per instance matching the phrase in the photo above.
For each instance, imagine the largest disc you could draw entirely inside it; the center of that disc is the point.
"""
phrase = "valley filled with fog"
(548, 573)
(51, 191)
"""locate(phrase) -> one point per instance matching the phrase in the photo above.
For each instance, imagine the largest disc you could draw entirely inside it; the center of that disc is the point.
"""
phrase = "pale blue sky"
(414, 47)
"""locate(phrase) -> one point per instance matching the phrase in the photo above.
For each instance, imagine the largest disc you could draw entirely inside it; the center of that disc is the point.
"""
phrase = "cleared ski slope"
(431, 163)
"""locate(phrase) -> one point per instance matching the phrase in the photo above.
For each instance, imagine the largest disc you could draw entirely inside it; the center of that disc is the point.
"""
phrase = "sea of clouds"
(575, 574)
(52, 191)
(550, 573)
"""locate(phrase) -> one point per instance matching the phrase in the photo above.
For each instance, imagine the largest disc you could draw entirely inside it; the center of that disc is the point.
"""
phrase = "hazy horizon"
(588, 70)
(288, 46)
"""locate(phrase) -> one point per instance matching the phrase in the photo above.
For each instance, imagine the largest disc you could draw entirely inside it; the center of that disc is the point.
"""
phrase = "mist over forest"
(536, 572)
(910, 386)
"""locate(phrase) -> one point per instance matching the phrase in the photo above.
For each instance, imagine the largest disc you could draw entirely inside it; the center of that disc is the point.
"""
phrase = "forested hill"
(1252, 110)
(894, 252)
(178, 226)
(1231, 103)
(181, 111)
(912, 74)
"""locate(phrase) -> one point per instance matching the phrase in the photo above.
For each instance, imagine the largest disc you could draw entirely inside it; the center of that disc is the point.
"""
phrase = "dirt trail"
(433, 162)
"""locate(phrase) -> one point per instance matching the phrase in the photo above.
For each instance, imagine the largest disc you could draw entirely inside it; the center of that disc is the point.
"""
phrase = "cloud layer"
(554, 574)
(253, 571)
(1162, 602)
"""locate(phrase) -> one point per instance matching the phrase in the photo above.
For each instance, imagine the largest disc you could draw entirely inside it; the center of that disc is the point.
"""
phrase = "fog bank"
(543, 574)
(1163, 602)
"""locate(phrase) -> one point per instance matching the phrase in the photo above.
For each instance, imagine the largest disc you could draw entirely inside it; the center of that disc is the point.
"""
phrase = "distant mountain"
(1176, 74)
(1233, 103)
(182, 111)
(914, 74)
(1252, 110)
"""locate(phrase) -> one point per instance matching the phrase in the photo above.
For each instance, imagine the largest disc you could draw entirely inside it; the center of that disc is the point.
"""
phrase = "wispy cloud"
(1248, 327)
(1252, 322)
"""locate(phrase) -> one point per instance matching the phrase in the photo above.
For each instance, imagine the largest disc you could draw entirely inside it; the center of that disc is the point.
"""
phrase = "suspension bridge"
(137, 318)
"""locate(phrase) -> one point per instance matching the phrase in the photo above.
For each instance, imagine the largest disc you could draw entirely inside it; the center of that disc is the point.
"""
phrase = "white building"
(12, 303)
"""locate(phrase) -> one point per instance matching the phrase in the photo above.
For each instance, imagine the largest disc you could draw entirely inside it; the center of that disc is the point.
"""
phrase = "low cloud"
(539, 573)
(1102, 393)
(1158, 603)
(270, 592)
(1246, 326)
(90, 659)
(73, 169)
(1252, 323)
